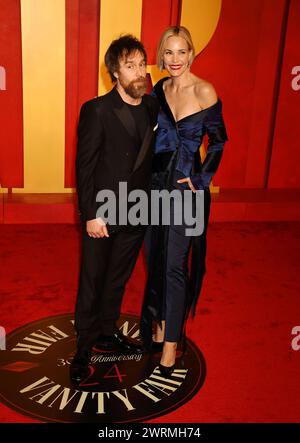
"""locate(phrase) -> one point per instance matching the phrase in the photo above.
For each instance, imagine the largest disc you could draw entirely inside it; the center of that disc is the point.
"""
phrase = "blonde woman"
(189, 110)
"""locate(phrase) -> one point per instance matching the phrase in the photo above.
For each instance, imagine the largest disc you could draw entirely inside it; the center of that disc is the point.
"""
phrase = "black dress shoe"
(127, 345)
(106, 344)
(79, 369)
(166, 371)
(117, 342)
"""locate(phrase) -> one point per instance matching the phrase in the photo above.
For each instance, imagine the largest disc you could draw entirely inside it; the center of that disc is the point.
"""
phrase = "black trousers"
(106, 265)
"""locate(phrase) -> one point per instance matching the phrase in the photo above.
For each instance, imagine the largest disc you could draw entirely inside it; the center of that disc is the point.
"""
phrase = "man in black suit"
(115, 135)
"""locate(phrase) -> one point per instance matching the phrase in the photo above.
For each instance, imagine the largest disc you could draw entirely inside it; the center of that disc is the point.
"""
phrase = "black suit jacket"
(107, 149)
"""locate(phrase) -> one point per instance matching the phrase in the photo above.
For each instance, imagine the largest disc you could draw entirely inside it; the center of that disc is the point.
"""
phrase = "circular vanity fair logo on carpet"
(34, 373)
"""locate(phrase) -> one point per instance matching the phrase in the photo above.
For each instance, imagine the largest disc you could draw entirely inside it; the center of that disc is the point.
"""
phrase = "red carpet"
(248, 307)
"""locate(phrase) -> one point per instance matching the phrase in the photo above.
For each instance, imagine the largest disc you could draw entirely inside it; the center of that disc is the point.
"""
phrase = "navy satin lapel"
(163, 101)
(125, 117)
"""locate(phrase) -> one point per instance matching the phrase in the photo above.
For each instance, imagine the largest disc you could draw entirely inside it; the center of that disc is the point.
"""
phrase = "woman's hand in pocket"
(189, 182)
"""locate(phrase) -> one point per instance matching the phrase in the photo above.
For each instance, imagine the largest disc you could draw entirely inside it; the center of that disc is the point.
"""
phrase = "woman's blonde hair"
(174, 31)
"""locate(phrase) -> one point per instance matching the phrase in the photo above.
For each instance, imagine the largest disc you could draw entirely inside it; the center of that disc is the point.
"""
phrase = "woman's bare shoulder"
(205, 92)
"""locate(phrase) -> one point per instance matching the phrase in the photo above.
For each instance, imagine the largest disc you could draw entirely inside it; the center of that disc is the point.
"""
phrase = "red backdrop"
(11, 110)
(249, 60)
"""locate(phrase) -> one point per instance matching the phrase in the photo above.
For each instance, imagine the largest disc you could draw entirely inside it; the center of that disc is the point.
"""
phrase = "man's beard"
(136, 88)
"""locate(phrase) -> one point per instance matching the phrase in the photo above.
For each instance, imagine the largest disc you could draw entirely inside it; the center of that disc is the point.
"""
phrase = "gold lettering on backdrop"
(124, 17)
(43, 85)
(43, 60)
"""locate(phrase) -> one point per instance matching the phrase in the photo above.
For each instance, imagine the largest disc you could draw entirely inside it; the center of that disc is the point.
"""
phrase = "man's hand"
(96, 228)
(188, 181)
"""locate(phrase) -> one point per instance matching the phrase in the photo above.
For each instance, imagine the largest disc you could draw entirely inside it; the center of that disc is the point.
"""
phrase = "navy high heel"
(166, 371)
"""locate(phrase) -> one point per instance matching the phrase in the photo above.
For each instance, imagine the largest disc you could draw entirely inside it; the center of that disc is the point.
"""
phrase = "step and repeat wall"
(51, 61)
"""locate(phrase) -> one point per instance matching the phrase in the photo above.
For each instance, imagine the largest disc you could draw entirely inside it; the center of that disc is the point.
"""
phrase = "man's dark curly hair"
(119, 48)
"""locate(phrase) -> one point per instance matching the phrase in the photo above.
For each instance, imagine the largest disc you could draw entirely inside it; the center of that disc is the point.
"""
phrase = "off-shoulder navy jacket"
(187, 135)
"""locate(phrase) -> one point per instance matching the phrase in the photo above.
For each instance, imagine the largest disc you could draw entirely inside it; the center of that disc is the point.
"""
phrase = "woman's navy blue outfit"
(171, 290)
